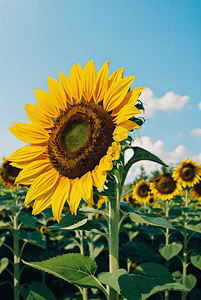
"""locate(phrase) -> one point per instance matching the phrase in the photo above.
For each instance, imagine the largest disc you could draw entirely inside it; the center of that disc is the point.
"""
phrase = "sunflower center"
(151, 200)
(80, 138)
(187, 173)
(165, 185)
(76, 136)
(143, 190)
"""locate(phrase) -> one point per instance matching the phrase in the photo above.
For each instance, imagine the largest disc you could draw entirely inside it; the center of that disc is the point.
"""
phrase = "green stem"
(16, 259)
(84, 291)
(114, 215)
(167, 238)
(185, 256)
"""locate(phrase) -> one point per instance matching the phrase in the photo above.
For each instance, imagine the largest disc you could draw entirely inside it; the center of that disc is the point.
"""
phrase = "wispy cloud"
(171, 158)
(169, 102)
(196, 132)
(178, 136)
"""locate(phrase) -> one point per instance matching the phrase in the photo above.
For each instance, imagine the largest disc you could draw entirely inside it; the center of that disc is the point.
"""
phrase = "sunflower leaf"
(171, 250)
(37, 291)
(139, 155)
(35, 238)
(70, 220)
(150, 219)
(73, 267)
(196, 260)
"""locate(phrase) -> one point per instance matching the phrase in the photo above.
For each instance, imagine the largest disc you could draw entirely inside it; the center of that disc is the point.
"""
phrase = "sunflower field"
(70, 228)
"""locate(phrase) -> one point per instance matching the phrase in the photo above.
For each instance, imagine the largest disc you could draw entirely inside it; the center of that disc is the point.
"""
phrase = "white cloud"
(169, 102)
(172, 158)
(199, 105)
(178, 136)
(196, 132)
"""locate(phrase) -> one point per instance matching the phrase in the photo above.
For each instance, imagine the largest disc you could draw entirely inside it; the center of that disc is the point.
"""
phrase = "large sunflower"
(140, 191)
(187, 173)
(74, 136)
(164, 187)
(195, 192)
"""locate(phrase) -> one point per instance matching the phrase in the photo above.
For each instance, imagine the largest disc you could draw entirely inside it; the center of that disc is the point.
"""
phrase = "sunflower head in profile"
(8, 174)
(187, 173)
(74, 136)
(164, 187)
(195, 192)
(141, 191)
(151, 199)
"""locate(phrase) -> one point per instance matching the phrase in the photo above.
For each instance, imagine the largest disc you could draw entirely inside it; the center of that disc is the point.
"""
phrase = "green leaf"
(196, 227)
(150, 219)
(196, 260)
(2, 239)
(35, 238)
(27, 219)
(171, 250)
(166, 287)
(70, 220)
(3, 264)
(73, 267)
(143, 280)
(190, 280)
(140, 154)
(38, 291)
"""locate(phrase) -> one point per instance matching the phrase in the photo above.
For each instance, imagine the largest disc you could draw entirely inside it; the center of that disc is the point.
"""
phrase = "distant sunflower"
(141, 190)
(187, 173)
(195, 192)
(128, 198)
(151, 199)
(8, 174)
(164, 187)
(74, 136)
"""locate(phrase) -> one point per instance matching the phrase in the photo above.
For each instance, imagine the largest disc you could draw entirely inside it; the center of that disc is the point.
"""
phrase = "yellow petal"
(46, 104)
(86, 187)
(116, 76)
(75, 82)
(101, 82)
(42, 202)
(126, 113)
(42, 184)
(79, 69)
(57, 93)
(26, 153)
(130, 98)
(66, 86)
(32, 170)
(30, 133)
(60, 196)
(117, 92)
(88, 80)
(105, 163)
(98, 177)
(75, 196)
(35, 116)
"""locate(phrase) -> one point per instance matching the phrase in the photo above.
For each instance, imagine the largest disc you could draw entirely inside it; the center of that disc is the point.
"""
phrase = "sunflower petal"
(127, 112)
(98, 177)
(66, 86)
(121, 131)
(117, 92)
(101, 82)
(105, 163)
(35, 116)
(57, 93)
(75, 82)
(29, 133)
(42, 184)
(45, 103)
(88, 80)
(26, 153)
(116, 76)
(42, 202)
(60, 196)
(75, 196)
(32, 170)
(86, 187)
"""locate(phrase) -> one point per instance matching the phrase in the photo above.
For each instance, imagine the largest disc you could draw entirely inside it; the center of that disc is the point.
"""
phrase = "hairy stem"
(167, 238)
(185, 256)
(16, 259)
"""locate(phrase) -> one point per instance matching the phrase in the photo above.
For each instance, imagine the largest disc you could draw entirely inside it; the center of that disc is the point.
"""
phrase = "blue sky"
(160, 41)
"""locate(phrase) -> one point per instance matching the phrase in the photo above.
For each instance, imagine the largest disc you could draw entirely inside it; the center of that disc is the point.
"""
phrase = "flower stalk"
(16, 259)
(167, 239)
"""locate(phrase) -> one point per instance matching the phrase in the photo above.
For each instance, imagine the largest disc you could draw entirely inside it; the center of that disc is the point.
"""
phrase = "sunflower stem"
(114, 215)
(84, 291)
(185, 256)
(16, 259)
(167, 238)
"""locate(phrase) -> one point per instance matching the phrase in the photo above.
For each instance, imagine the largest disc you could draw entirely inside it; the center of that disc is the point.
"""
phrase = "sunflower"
(74, 136)
(187, 173)
(8, 174)
(195, 192)
(140, 191)
(164, 187)
(151, 199)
